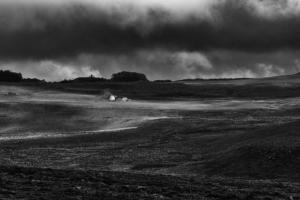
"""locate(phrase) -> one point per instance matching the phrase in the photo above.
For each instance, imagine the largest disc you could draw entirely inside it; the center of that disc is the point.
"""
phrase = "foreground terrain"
(65, 184)
(181, 147)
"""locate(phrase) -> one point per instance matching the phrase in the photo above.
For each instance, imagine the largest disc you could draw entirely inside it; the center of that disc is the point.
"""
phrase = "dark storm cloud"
(170, 39)
(42, 31)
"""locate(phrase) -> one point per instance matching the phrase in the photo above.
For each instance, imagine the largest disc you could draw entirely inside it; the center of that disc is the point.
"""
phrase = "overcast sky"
(166, 39)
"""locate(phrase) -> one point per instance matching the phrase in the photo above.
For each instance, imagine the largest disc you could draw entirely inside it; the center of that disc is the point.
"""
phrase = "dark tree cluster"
(33, 80)
(128, 77)
(85, 79)
(117, 77)
(9, 76)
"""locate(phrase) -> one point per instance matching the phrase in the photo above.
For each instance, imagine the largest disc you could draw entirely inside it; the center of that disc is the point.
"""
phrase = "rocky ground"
(37, 183)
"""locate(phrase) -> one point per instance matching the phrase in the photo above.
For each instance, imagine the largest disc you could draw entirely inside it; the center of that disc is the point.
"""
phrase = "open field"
(224, 142)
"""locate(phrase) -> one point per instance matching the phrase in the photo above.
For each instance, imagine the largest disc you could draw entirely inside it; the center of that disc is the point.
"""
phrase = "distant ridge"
(214, 79)
(296, 75)
(124, 76)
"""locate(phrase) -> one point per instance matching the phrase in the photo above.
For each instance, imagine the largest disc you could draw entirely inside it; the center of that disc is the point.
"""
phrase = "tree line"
(9, 76)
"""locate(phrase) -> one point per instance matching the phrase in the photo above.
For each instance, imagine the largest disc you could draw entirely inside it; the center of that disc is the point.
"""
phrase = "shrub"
(9, 76)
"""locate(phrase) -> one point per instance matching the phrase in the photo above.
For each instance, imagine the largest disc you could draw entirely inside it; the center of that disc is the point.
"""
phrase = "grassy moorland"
(188, 141)
(165, 91)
